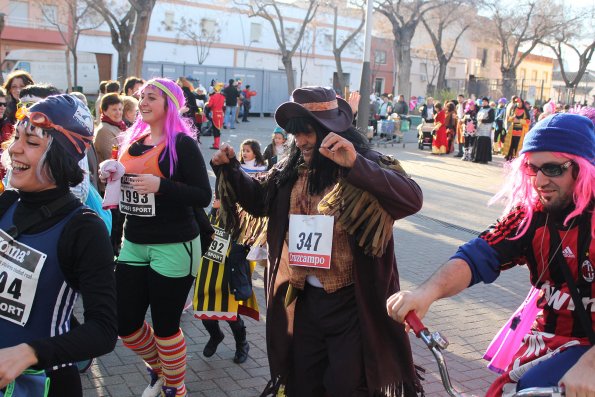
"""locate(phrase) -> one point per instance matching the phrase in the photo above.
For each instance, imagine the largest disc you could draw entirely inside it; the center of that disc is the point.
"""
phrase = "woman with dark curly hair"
(15, 82)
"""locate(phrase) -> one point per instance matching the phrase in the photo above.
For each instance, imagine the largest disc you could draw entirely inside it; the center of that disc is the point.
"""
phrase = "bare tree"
(453, 16)
(144, 10)
(80, 17)
(304, 53)
(288, 39)
(430, 71)
(518, 29)
(404, 16)
(338, 45)
(565, 44)
(203, 36)
(120, 29)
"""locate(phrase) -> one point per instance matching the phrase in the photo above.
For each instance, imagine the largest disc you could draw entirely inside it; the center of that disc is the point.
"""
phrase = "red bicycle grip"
(415, 323)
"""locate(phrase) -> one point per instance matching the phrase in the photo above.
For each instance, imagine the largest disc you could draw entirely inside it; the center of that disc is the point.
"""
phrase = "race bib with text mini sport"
(134, 203)
(218, 249)
(310, 240)
(20, 267)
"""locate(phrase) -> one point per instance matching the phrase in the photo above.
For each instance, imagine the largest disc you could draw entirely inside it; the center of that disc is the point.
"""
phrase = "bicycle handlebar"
(437, 343)
(415, 323)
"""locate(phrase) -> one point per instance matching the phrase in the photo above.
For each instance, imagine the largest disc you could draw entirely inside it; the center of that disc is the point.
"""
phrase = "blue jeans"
(549, 372)
(230, 116)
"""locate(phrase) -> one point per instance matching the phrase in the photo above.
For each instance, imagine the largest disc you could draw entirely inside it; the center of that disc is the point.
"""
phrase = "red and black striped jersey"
(535, 250)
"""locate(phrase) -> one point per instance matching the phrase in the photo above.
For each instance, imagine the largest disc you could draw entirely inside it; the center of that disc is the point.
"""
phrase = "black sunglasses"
(548, 169)
(3, 104)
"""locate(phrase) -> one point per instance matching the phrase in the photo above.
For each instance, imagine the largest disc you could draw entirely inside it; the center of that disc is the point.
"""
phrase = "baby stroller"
(424, 135)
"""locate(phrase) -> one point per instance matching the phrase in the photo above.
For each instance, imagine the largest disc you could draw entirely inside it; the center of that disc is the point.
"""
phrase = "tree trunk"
(509, 86)
(75, 64)
(123, 51)
(441, 82)
(403, 56)
(404, 67)
(139, 43)
(340, 75)
(68, 72)
(288, 64)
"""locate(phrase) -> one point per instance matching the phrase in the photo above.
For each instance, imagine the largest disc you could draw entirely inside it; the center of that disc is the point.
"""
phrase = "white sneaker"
(154, 388)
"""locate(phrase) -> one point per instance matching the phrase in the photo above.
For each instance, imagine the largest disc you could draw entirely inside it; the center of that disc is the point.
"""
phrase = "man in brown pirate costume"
(330, 207)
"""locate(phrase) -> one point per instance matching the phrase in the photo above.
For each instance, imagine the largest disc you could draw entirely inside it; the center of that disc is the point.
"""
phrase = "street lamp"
(363, 108)
(247, 48)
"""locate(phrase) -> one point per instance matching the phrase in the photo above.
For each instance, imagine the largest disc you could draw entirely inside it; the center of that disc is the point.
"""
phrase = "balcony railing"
(31, 23)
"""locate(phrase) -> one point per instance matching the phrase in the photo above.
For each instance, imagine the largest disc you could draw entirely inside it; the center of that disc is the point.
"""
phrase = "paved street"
(455, 205)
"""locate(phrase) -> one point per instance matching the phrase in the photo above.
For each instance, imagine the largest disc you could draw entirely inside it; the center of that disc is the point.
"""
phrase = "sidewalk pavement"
(455, 196)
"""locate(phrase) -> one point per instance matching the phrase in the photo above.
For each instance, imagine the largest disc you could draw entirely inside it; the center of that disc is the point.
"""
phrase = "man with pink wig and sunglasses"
(549, 226)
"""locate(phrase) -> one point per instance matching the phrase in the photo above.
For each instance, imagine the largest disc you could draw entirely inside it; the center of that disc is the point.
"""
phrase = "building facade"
(534, 78)
(25, 27)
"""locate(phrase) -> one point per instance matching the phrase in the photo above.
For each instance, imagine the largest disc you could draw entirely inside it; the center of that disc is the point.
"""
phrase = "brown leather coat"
(387, 352)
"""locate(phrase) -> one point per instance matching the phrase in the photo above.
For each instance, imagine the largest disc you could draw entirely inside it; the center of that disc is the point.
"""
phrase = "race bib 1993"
(134, 203)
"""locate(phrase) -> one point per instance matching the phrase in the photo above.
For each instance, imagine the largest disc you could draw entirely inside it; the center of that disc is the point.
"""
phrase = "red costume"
(440, 141)
(216, 104)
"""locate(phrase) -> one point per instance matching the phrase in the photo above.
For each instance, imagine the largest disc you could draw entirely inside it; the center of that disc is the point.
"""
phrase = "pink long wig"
(518, 190)
(174, 123)
(469, 105)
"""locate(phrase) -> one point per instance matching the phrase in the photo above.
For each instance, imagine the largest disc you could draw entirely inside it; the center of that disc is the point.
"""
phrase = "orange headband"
(320, 106)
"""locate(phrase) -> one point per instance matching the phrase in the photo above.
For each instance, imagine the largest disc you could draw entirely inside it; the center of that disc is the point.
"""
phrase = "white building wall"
(235, 47)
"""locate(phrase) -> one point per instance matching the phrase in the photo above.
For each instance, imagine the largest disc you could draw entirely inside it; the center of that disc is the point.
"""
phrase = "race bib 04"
(218, 249)
(134, 203)
(20, 267)
(310, 240)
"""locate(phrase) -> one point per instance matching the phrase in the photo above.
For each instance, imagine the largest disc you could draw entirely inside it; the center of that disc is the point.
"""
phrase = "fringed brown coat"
(387, 353)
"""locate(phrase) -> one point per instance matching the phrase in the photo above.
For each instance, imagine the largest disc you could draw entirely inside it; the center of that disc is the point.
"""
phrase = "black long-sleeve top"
(491, 116)
(187, 188)
(87, 261)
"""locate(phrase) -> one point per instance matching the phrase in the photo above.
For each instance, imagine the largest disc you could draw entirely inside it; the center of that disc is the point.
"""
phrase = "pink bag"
(508, 340)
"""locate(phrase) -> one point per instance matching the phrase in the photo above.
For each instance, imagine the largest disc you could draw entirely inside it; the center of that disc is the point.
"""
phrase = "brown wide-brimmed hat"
(319, 103)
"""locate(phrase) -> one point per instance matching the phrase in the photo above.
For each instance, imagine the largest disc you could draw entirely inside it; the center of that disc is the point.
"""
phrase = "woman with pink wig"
(166, 178)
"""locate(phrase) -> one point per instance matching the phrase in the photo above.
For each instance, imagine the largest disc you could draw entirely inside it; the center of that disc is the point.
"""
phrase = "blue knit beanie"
(279, 130)
(565, 133)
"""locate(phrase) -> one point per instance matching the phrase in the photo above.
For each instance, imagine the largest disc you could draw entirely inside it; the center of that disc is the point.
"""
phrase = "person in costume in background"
(50, 139)
(518, 125)
(460, 139)
(251, 162)
(482, 149)
(190, 96)
(246, 97)
(277, 150)
(231, 295)
(549, 225)
(439, 138)
(161, 248)
(499, 130)
(339, 340)
(470, 120)
(216, 107)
